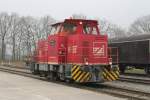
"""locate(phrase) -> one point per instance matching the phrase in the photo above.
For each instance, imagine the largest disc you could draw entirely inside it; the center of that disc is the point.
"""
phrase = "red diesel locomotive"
(75, 51)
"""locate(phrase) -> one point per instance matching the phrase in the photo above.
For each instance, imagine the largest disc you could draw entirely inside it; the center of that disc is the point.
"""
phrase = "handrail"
(113, 54)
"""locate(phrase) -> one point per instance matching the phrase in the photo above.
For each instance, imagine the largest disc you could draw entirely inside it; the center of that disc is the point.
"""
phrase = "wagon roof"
(132, 38)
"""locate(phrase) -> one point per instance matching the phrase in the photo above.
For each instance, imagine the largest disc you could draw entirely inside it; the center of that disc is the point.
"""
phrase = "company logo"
(99, 50)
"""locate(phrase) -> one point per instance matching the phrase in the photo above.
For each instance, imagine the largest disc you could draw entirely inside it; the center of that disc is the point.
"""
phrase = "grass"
(136, 71)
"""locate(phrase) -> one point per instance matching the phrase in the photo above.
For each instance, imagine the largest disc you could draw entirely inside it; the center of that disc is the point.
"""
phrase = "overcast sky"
(121, 12)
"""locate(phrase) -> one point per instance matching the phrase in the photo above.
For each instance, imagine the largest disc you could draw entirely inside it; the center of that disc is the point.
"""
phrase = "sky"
(120, 12)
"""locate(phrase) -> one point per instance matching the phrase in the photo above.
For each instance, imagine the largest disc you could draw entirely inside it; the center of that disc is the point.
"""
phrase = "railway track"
(135, 80)
(14, 66)
(124, 78)
(135, 74)
(130, 94)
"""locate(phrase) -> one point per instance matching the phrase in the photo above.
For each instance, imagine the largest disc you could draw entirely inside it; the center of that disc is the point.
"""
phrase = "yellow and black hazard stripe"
(117, 71)
(78, 75)
(110, 75)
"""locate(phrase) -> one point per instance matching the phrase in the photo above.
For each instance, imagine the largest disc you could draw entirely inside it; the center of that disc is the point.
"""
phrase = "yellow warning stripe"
(88, 79)
(117, 73)
(77, 75)
(109, 74)
(80, 77)
(84, 77)
(74, 67)
(77, 69)
(114, 74)
(106, 77)
(117, 68)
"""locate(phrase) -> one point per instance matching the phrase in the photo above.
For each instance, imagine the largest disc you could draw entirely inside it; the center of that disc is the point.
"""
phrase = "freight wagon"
(133, 51)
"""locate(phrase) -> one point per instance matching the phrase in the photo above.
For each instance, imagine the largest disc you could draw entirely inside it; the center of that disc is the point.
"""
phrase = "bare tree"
(46, 23)
(19, 38)
(14, 30)
(140, 26)
(32, 30)
(27, 33)
(104, 26)
(112, 30)
(22, 33)
(79, 16)
(4, 29)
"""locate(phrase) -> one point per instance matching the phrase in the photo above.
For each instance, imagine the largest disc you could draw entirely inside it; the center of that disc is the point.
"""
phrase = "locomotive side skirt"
(77, 73)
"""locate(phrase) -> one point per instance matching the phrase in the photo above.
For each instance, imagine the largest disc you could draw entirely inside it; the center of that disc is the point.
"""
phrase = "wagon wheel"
(52, 76)
(122, 68)
(147, 70)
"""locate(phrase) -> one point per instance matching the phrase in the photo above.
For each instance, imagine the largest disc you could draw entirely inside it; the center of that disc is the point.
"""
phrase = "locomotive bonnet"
(75, 51)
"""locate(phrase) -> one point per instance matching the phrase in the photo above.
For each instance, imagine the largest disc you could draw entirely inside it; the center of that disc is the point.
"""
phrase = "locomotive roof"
(76, 21)
(131, 38)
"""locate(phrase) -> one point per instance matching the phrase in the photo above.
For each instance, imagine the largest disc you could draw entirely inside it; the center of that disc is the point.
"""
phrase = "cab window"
(90, 30)
(70, 28)
(86, 29)
(55, 29)
(94, 31)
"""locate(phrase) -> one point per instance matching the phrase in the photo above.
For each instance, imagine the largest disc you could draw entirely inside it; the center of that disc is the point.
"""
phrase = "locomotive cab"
(71, 26)
(76, 50)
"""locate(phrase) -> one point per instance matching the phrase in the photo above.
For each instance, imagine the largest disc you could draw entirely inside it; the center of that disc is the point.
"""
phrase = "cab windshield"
(63, 28)
(87, 29)
(69, 28)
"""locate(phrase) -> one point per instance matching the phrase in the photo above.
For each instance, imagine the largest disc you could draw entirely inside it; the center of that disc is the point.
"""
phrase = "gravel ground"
(15, 87)
(133, 86)
(23, 70)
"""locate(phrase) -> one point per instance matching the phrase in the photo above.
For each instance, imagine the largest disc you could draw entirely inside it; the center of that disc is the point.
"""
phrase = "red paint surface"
(75, 48)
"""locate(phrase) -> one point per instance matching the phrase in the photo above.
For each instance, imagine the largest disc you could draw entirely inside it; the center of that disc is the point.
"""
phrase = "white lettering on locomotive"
(99, 51)
(72, 49)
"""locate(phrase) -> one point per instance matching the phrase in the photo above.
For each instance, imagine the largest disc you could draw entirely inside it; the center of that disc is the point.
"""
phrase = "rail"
(113, 54)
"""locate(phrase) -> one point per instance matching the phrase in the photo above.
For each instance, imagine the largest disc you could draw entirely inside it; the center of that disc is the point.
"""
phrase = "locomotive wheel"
(35, 72)
(52, 76)
(56, 76)
(61, 77)
(68, 80)
(122, 69)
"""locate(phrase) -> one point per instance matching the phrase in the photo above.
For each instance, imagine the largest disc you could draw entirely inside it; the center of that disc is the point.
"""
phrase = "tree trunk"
(13, 51)
(3, 50)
